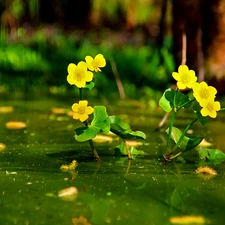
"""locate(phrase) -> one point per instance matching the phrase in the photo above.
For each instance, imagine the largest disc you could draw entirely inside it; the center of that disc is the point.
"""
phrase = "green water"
(112, 191)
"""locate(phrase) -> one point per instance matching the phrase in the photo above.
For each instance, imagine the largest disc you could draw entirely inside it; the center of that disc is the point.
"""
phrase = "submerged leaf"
(187, 143)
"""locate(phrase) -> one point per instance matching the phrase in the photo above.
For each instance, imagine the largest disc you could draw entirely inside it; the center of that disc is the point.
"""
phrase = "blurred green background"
(141, 41)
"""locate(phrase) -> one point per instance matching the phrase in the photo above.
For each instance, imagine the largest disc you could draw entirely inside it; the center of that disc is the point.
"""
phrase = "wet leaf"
(123, 130)
(99, 123)
(122, 150)
(187, 143)
(211, 154)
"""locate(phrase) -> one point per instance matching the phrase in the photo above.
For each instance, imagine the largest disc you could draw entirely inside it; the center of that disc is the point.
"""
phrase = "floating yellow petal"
(15, 125)
(6, 109)
(80, 221)
(187, 220)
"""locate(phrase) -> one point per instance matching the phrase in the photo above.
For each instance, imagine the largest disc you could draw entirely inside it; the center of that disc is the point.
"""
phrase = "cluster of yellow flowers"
(205, 95)
(79, 75)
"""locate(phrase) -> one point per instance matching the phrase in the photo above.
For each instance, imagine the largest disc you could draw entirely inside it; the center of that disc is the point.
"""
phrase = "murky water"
(112, 191)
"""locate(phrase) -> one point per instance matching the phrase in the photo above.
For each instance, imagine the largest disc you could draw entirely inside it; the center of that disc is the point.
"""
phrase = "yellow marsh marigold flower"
(209, 107)
(81, 110)
(94, 64)
(203, 91)
(80, 221)
(78, 74)
(185, 78)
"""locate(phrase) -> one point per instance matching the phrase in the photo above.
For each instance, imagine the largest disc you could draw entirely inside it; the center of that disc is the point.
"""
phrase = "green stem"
(86, 124)
(81, 93)
(222, 109)
(170, 130)
(183, 134)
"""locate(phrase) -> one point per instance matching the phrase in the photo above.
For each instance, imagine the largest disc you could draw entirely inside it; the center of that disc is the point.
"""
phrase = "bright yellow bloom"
(80, 221)
(203, 91)
(81, 110)
(78, 74)
(209, 107)
(185, 78)
(94, 64)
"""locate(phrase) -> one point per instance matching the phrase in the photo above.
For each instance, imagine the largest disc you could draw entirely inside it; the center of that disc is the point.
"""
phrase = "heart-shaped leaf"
(187, 143)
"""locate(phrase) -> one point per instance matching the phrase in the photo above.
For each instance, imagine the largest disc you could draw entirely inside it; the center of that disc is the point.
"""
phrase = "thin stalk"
(170, 130)
(183, 134)
(128, 150)
(86, 124)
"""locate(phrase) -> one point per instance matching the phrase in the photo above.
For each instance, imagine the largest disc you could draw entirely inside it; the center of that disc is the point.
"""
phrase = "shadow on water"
(113, 191)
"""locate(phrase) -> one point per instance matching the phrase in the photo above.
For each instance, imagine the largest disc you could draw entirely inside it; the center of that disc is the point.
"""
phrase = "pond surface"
(113, 191)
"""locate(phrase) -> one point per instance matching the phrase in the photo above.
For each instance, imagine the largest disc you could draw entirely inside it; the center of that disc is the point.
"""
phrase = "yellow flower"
(185, 78)
(78, 74)
(80, 221)
(203, 91)
(81, 110)
(94, 64)
(209, 107)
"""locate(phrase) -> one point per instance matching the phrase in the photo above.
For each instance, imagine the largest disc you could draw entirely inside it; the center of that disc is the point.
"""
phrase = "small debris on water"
(68, 194)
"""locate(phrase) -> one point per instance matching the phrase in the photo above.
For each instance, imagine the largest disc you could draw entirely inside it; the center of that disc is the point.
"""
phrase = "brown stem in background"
(118, 80)
(184, 49)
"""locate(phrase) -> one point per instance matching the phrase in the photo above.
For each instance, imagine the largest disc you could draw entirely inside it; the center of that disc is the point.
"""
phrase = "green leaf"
(187, 143)
(123, 130)
(174, 99)
(99, 123)
(211, 154)
(197, 108)
(165, 103)
(90, 85)
(122, 150)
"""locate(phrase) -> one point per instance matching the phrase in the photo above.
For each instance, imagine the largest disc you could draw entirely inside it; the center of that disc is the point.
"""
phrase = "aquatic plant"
(82, 77)
(201, 99)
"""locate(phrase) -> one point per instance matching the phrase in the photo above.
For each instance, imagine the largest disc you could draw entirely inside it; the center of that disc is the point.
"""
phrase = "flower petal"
(182, 69)
(100, 60)
(88, 76)
(83, 117)
(89, 110)
(71, 68)
(176, 76)
(83, 103)
(70, 79)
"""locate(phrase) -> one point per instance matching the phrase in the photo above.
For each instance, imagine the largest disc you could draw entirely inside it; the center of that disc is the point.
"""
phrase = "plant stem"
(128, 150)
(182, 136)
(170, 130)
(86, 124)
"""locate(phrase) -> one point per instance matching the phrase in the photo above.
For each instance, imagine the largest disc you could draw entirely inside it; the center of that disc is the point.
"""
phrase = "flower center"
(81, 110)
(210, 106)
(185, 78)
(79, 75)
(204, 93)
